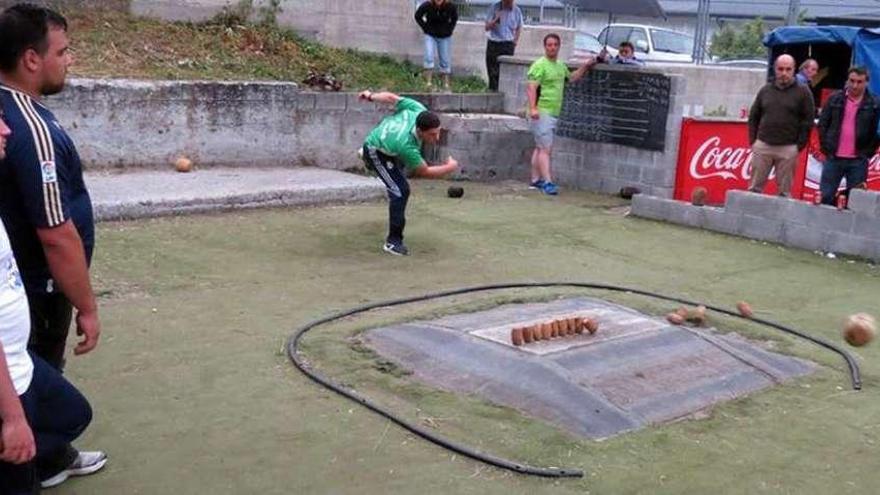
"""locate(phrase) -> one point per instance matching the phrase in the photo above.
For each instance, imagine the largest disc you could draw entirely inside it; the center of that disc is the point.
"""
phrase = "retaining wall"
(123, 123)
(855, 231)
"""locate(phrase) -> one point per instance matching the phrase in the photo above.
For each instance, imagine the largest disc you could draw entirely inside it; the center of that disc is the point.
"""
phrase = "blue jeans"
(854, 169)
(57, 414)
(443, 46)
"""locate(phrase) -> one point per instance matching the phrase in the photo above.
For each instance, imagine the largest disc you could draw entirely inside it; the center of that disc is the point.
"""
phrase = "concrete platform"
(635, 371)
(131, 195)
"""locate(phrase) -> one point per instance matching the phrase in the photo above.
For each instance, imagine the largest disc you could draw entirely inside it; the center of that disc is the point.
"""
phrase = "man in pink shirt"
(848, 135)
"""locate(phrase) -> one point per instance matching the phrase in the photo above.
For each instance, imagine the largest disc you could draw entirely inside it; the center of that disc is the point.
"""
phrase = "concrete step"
(141, 194)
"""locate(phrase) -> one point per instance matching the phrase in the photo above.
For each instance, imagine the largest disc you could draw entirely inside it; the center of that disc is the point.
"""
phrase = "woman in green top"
(547, 77)
(397, 143)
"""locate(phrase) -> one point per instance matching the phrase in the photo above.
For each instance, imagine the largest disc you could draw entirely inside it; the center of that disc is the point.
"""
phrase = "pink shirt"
(846, 147)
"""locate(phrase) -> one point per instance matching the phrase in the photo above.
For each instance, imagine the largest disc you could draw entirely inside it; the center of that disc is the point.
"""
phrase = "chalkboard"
(617, 106)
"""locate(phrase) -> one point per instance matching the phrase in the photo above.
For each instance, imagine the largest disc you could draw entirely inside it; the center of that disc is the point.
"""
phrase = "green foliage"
(730, 43)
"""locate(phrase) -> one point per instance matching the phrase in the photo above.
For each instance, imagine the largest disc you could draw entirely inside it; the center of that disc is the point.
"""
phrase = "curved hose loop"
(550, 472)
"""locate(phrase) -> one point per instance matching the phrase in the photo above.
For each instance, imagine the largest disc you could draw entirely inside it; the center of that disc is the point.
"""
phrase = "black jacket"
(831, 119)
(438, 22)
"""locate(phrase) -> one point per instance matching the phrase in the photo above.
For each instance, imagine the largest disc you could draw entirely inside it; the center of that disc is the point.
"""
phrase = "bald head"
(784, 69)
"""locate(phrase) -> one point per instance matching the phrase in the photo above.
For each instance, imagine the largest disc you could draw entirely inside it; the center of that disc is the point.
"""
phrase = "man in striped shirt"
(43, 199)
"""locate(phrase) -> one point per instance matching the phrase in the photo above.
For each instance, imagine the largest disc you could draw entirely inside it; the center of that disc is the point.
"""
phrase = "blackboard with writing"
(617, 106)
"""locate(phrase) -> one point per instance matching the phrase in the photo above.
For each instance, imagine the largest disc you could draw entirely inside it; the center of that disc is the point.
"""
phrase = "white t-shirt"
(15, 318)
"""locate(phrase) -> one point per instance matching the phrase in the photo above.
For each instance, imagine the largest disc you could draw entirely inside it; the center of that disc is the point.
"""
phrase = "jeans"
(396, 186)
(50, 323)
(443, 46)
(854, 169)
(57, 414)
(495, 49)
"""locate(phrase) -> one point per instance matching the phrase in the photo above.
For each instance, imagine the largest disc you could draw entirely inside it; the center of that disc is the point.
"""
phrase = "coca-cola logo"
(712, 160)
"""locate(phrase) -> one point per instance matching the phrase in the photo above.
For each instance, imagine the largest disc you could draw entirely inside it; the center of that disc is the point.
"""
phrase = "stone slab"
(131, 195)
(637, 370)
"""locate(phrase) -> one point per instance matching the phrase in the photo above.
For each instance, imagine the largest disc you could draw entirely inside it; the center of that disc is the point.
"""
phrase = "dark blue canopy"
(865, 44)
(796, 35)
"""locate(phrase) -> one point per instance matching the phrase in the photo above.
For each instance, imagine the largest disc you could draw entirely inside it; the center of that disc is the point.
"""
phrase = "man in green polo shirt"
(546, 82)
(394, 147)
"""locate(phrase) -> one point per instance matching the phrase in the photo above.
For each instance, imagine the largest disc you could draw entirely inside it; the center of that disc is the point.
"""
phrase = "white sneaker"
(86, 463)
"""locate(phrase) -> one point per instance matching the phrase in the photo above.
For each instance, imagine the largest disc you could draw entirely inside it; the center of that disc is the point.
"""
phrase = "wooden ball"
(744, 309)
(674, 318)
(516, 336)
(183, 164)
(859, 329)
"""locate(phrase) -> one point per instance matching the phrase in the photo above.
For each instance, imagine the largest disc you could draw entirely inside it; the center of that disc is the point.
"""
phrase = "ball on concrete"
(455, 192)
(698, 196)
(183, 164)
(859, 329)
(675, 318)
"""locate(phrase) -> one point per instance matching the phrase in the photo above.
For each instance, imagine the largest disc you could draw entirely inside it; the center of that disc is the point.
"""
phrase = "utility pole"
(794, 11)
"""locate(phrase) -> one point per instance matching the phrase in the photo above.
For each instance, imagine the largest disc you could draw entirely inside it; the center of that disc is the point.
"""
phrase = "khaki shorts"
(543, 129)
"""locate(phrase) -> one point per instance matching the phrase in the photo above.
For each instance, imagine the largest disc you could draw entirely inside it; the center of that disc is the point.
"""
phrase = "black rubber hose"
(551, 472)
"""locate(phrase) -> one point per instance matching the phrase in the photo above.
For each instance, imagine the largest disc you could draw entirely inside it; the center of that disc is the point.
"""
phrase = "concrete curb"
(149, 194)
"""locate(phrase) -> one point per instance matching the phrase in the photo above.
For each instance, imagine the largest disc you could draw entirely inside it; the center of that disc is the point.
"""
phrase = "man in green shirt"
(546, 82)
(395, 146)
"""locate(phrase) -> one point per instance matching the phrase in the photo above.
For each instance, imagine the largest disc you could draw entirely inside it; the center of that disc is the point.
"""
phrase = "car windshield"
(588, 42)
(672, 42)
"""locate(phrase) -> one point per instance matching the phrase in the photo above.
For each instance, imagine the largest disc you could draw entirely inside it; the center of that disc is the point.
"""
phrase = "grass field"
(116, 45)
(194, 395)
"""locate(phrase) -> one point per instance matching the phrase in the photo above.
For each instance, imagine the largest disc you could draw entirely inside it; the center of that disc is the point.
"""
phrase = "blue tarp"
(796, 35)
(865, 44)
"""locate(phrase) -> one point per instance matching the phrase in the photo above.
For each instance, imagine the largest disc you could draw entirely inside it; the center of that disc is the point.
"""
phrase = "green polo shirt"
(551, 76)
(396, 134)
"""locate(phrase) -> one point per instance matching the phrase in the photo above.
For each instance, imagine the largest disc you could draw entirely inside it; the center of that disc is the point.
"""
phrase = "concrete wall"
(377, 26)
(711, 88)
(790, 222)
(121, 5)
(603, 167)
(123, 123)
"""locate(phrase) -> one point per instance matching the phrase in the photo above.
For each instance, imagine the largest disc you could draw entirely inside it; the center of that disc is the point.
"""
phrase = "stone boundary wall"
(603, 167)
(66, 5)
(125, 123)
(855, 231)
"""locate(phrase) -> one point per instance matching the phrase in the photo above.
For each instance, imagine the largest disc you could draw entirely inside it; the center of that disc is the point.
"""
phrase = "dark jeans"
(387, 168)
(854, 169)
(50, 323)
(57, 414)
(495, 49)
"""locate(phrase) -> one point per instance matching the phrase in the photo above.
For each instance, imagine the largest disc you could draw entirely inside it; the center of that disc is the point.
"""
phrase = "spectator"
(807, 71)
(546, 82)
(626, 55)
(394, 146)
(40, 412)
(848, 135)
(437, 18)
(504, 22)
(779, 125)
(44, 204)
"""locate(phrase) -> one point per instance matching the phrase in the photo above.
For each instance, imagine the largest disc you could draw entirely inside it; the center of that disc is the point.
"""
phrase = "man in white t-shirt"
(40, 411)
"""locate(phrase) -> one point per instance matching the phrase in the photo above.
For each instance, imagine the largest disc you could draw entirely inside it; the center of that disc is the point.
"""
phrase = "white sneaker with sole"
(86, 463)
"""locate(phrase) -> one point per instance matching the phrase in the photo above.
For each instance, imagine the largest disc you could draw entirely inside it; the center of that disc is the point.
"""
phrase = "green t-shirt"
(551, 76)
(396, 134)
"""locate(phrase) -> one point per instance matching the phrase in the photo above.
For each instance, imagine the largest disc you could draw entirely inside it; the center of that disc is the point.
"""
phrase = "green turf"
(193, 394)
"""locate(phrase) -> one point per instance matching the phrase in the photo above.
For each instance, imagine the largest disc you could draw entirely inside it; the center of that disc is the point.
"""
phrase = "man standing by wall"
(437, 18)
(547, 76)
(43, 200)
(779, 127)
(504, 22)
(848, 135)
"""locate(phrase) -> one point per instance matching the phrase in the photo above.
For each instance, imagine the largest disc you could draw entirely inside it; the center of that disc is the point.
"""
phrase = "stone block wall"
(124, 123)
(854, 231)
